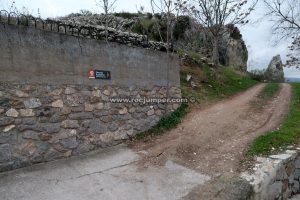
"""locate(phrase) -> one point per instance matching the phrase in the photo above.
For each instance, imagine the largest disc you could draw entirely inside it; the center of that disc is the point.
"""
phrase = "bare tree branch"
(215, 15)
(107, 7)
(285, 16)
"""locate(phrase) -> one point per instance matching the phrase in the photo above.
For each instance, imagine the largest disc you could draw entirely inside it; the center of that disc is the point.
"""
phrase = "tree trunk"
(215, 55)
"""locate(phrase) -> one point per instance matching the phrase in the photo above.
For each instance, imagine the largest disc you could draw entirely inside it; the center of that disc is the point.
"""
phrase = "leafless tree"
(285, 14)
(107, 7)
(168, 9)
(214, 15)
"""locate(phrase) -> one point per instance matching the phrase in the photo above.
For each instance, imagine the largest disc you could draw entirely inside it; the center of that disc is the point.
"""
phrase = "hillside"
(187, 34)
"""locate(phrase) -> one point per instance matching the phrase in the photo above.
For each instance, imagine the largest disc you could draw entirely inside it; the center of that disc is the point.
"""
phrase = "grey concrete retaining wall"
(276, 177)
(36, 56)
(50, 109)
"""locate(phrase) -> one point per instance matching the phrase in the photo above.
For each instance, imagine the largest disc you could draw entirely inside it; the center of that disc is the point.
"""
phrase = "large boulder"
(233, 50)
(274, 72)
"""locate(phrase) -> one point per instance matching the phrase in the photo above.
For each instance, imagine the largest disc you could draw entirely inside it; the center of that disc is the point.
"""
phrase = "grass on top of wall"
(288, 134)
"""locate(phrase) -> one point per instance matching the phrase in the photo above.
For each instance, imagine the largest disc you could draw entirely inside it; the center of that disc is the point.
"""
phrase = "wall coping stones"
(275, 176)
(92, 31)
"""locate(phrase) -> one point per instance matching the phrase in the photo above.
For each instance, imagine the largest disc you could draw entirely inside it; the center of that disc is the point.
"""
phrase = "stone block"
(32, 103)
(58, 104)
(81, 116)
(4, 121)
(27, 112)
(31, 135)
(9, 128)
(70, 124)
(12, 113)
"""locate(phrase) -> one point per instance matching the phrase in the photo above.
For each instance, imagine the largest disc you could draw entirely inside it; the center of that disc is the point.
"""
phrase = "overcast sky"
(257, 35)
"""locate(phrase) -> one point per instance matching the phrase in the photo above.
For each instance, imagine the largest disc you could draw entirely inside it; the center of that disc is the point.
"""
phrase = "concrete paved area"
(108, 174)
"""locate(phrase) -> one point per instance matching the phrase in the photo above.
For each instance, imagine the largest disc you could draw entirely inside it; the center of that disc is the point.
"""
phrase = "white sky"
(257, 35)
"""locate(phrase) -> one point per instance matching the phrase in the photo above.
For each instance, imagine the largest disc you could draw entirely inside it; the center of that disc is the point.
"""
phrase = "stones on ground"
(1, 111)
(58, 104)
(9, 128)
(12, 113)
(27, 112)
(70, 124)
(32, 103)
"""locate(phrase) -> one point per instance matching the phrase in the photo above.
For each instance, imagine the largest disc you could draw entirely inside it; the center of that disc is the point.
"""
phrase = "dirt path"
(213, 140)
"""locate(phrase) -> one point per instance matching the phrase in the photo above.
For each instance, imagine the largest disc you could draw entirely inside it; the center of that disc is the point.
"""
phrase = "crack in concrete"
(93, 173)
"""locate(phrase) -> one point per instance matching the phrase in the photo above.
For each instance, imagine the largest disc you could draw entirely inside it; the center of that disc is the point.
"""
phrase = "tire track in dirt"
(213, 140)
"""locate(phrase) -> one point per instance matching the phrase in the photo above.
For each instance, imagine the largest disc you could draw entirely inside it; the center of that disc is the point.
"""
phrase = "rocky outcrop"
(274, 72)
(233, 51)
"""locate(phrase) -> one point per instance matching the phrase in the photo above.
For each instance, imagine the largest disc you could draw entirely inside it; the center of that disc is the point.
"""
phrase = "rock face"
(233, 51)
(275, 72)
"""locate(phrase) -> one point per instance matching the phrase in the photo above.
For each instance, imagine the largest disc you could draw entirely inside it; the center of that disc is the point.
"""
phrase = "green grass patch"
(288, 134)
(268, 92)
(214, 84)
(166, 123)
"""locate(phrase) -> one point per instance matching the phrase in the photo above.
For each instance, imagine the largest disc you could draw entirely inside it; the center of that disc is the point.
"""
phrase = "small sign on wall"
(99, 74)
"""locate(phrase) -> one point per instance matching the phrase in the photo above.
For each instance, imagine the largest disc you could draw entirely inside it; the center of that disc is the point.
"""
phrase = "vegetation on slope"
(288, 134)
(212, 84)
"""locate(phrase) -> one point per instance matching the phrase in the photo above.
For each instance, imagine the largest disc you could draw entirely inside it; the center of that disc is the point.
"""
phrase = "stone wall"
(85, 30)
(44, 123)
(50, 109)
(276, 177)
